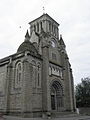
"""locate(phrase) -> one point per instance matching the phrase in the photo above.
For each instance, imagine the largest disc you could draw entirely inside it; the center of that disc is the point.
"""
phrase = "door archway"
(56, 96)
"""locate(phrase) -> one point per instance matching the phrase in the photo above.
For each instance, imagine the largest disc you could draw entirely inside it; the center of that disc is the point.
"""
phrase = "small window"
(38, 79)
(52, 27)
(37, 27)
(39, 75)
(55, 31)
(41, 25)
(33, 63)
(34, 28)
(18, 74)
(49, 26)
(53, 44)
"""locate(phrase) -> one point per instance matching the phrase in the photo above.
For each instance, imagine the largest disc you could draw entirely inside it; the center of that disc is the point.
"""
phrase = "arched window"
(34, 72)
(52, 27)
(37, 27)
(56, 96)
(41, 25)
(33, 62)
(39, 75)
(18, 74)
(49, 26)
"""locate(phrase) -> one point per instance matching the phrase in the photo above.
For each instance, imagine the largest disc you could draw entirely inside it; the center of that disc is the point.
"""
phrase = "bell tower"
(56, 80)
(45, 23)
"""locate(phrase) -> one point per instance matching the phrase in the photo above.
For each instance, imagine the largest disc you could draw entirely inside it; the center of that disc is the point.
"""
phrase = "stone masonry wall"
(3, 72)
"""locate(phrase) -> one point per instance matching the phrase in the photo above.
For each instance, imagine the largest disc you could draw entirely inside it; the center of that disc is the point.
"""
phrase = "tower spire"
(27, 37)
(61, 41)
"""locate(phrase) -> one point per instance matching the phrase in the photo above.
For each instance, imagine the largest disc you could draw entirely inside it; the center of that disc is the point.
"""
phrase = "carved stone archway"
(56, 96)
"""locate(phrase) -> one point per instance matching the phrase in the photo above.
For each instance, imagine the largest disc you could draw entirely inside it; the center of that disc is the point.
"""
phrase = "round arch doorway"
(56, 96)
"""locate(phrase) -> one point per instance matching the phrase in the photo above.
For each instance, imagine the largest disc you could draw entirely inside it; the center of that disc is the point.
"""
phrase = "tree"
(83, 93)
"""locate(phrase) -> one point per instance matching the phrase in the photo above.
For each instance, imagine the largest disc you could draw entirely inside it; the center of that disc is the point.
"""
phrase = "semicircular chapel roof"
(27, 46)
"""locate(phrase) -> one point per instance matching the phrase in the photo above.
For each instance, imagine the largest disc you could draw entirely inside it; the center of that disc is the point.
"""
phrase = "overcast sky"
(72, 15)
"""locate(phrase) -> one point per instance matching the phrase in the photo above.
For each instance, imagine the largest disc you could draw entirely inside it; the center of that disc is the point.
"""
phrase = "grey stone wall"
(31, 94)
(3, 75)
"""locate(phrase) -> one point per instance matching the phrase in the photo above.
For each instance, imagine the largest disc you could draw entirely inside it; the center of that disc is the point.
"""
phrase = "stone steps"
(63, 114)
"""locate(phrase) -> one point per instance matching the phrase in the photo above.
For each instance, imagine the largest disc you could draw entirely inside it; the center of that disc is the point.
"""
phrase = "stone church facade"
(37, 80)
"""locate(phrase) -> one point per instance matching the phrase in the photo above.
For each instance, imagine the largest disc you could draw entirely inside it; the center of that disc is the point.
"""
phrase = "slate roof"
(27, 46)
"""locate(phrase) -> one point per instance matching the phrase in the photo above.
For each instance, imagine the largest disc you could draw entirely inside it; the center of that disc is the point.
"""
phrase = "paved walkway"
(63, 118)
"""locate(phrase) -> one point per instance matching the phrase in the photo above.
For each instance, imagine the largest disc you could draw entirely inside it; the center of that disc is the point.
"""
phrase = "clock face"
(53, 44)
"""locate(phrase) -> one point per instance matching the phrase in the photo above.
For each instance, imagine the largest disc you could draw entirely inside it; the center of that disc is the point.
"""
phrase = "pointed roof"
(61, 41)
(27, 36)
(46, 15)
(27, 45)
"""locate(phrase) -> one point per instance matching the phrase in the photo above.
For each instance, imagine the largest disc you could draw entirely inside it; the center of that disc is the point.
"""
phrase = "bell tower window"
(34, 28)
(49, 26)
(41, 25)
(37, 27)
(52, 27)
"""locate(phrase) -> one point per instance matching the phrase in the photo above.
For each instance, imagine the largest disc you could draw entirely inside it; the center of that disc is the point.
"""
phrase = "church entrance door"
(56, 96)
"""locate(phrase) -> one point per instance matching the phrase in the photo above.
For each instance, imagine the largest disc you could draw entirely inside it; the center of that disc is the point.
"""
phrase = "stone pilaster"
(73, 95)
(45, 80)
(8, 87)
(67, 83)
(27, 100)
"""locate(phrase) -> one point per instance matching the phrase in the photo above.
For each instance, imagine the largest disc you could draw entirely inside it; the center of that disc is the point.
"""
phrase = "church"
(37, 80)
